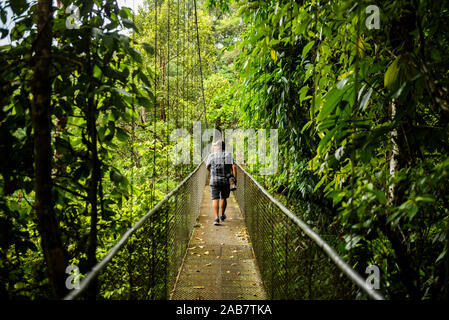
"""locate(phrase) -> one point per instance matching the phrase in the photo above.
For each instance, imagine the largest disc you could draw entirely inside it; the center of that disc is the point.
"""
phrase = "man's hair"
(219, 143)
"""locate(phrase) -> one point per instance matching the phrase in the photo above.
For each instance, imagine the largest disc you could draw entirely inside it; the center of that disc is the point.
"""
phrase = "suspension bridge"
(262, 251)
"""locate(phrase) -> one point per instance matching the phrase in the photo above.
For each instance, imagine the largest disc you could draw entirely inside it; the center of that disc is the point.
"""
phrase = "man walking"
(221, 166)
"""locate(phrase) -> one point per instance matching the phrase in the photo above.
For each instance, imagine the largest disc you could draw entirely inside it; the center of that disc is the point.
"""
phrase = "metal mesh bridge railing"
(145, 262)
(293, 260)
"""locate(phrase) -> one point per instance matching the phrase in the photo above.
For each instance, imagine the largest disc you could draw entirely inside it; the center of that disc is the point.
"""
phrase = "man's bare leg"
(215, 207)
(223, 204)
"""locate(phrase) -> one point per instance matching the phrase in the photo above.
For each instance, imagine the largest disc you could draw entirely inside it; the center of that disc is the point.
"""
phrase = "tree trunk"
(94, 165)
(398, 160)
(143, 115)
(51, 243)
(395, 157)
(95, 169)
(402, 43)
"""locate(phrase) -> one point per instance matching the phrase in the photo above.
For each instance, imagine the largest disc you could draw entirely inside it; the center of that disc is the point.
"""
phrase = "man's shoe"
(216, 221)
(223, 217)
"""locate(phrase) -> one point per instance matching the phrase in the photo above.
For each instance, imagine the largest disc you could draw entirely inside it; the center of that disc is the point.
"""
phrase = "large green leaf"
(324, 141)
(307, 48)
(401, 70)
(121, 134)
(392, 74)
(331, 100)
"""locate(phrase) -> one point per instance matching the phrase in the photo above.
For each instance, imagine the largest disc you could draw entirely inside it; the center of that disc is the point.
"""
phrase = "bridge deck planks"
(219, 263)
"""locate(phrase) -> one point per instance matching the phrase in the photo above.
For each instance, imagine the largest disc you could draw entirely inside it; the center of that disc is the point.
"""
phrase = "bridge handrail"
(342, 265)
(91, 275)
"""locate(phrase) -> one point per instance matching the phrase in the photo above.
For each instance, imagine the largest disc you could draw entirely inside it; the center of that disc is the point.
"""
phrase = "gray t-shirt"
(220, 164)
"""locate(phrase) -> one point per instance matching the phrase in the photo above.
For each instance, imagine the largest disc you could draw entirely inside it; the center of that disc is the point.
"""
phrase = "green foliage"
(355, 109)
(362, 117)
(96, 65)
(116, 96)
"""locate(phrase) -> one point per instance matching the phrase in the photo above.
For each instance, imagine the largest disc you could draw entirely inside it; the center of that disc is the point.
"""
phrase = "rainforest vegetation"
(358, 91)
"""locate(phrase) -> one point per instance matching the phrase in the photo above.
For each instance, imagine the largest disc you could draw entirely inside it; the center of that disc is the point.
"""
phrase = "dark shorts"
(220, 191)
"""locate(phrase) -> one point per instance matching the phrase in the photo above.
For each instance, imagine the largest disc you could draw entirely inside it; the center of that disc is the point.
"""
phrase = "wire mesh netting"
(291, 264)
(219, 264)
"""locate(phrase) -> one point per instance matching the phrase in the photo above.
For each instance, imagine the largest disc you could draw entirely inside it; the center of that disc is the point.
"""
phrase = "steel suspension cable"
(167, 111)
(167, 130)
(188, 63)
(200, 64)
(133, 162)
(353, 115)
(190, 74)
(177, 63)
(151, 263)
(153, 191)
(183, 62)
(314, 75)
(183, 89)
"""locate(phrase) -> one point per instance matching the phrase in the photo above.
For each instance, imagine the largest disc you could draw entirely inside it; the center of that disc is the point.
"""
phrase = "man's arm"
(208, 163)
(234, 168)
